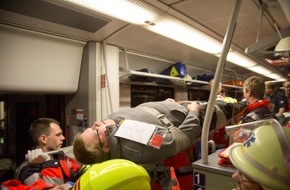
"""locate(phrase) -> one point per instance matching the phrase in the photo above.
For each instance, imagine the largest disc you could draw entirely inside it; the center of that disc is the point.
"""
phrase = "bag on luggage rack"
(142, 78)
(175, 70)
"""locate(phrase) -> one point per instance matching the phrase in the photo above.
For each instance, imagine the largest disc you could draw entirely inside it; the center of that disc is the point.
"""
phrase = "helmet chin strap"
(114, 144)
(110, 127)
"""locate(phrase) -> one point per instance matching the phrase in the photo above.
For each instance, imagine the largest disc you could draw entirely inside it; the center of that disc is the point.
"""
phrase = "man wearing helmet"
(263, 160)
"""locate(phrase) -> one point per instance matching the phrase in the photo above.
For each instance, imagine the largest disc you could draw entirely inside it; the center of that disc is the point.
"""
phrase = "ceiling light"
(281, 79)
(275, 76)
(129, 11)
(156, 20)
(240, 59)
(175, 29)
(260, 69)
(244, 61)
(159, 21)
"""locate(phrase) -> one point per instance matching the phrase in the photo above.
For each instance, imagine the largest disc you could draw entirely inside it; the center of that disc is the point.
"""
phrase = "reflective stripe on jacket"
(53, 172)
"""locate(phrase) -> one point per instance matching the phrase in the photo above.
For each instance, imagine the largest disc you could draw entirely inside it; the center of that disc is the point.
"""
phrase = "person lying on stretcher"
(150, 132)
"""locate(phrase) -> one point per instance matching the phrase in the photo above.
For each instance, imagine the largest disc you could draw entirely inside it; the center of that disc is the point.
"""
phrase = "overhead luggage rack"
(125, 73)
(175, 80)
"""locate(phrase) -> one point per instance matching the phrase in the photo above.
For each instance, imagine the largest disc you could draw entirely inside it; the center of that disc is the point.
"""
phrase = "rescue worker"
(221, 93)
(41, 170)
(263, 160)
(6, 170)
(178, 126)
(258, 107)
(278, 99)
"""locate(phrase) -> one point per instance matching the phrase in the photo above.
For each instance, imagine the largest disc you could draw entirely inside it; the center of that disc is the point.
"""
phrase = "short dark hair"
(40, 126)
(270, 85)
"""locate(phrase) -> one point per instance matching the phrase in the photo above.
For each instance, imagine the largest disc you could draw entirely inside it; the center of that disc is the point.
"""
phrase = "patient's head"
(92, 145)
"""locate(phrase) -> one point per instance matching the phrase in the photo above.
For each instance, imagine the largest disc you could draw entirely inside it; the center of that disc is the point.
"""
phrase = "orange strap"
(173, 177)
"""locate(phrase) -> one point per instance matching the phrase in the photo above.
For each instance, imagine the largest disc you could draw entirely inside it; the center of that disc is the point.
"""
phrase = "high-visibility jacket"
(14, 184)
(59, 170)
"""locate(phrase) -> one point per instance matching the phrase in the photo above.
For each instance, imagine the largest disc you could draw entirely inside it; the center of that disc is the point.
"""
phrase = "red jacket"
(58, 171)
(14, 184)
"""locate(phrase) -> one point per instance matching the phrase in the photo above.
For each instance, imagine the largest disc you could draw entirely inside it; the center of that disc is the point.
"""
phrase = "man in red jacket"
(41, 170)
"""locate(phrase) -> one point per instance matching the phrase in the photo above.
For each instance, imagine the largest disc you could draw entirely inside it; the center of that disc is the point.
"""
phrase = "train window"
(198, 94)
(141, 94)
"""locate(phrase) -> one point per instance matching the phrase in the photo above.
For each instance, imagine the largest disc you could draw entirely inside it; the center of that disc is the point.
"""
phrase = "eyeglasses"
(97, 132)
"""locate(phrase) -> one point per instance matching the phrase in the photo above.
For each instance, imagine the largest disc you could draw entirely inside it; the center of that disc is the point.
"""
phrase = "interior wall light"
(175, 29)
(240, 59)
(244, 61)
(275, 76)
(260, 69)
(127, 10)
(281, 79)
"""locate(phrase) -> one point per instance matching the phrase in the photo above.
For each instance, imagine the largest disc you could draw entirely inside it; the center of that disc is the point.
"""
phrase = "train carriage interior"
(78, 61)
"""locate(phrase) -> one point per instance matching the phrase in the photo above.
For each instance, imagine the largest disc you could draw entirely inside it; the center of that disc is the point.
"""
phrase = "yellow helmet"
(265, 156)
(116, 174)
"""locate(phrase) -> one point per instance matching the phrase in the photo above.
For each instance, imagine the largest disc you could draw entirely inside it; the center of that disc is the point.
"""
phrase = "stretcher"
(68, 150)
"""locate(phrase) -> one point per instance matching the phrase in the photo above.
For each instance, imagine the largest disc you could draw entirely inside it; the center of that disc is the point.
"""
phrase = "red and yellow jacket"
(60, 170)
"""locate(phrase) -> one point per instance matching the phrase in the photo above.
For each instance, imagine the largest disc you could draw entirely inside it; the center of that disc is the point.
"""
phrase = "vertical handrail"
(225, 48)
(108, 96)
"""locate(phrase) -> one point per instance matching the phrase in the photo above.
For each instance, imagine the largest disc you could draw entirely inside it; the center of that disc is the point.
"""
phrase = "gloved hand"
(69, 185)
(37, 156)
(168, 179)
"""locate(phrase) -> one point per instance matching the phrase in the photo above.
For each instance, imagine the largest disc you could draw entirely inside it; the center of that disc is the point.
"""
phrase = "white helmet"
(265, 156)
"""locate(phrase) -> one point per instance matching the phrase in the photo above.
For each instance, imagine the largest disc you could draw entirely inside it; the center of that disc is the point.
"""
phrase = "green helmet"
(265, 156)
(116, 174)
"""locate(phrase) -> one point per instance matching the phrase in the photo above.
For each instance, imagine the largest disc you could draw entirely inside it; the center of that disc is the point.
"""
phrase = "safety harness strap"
(165, 121)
